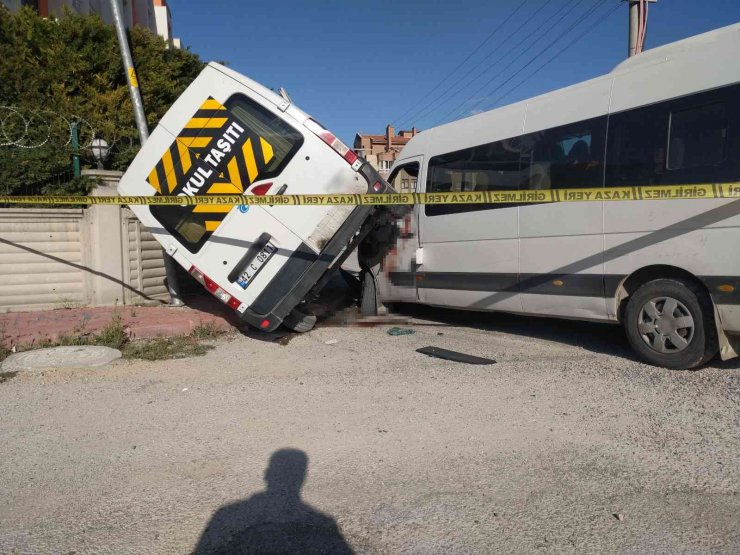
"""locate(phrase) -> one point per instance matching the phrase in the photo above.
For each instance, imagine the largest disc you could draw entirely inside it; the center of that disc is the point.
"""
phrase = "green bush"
(71, 68)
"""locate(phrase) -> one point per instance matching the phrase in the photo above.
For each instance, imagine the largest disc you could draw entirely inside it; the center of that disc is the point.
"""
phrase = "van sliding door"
(470, 251)
(562, 244)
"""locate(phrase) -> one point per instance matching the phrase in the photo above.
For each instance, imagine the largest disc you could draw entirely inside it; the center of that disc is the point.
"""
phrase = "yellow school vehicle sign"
(214, 154)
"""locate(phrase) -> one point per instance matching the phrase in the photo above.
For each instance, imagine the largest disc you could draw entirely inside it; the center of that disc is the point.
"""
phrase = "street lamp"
(100, 151)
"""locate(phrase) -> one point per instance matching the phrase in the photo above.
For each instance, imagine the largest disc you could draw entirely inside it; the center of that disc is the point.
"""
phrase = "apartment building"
(154, 15)
(381, 150)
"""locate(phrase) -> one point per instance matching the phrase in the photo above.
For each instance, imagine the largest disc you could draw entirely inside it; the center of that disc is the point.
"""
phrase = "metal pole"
(170, 267)
(128, 67)
(633, 28)
(76, 149)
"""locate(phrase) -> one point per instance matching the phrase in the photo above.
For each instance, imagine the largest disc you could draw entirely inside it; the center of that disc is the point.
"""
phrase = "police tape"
(666, 192)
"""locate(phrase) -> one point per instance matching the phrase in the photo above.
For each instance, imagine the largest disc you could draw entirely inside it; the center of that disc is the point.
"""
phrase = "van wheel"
(299, 321)
(670, 323)
(368, 302)
(353, 282)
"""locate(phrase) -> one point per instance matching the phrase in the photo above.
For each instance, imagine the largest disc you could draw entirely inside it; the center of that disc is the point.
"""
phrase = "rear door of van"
(229, 135)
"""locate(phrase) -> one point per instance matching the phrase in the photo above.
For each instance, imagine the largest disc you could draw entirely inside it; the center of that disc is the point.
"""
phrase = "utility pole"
(170, 266)
(634, 27)
(637, 26)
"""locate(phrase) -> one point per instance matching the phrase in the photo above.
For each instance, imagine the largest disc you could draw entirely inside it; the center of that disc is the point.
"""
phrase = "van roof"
(704, 41)
(724, 37)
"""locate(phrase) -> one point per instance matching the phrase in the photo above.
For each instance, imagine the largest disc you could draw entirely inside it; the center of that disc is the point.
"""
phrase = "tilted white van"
(668, 270)
(227, 134)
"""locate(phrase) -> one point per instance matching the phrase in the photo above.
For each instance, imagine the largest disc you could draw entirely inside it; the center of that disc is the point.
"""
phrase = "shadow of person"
(275, 520)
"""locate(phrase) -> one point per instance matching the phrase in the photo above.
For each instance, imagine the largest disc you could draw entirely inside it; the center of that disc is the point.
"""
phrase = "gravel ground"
(405, 453)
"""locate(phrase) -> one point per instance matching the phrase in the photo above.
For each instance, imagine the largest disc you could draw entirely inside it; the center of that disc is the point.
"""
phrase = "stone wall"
(96, 256)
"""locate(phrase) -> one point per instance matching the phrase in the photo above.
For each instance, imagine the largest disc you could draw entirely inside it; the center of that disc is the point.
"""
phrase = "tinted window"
(703, 146)
(636, 151)
(566, 157)
(489, 167)
(697, 137)
(693, 139)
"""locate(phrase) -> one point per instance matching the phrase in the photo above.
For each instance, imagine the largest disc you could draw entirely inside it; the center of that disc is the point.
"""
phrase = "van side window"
(488, 167)
(566, 157)
(636, 152)
(697, 137)
(404, 178)
(680, 141)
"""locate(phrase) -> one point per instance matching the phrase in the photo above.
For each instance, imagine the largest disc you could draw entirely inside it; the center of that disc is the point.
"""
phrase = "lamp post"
(100, 151)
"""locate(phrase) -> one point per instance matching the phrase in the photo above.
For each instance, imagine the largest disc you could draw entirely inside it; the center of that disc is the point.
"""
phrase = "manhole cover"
(85, 356)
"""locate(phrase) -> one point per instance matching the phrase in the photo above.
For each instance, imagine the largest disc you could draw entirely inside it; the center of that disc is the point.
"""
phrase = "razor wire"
(30, 129)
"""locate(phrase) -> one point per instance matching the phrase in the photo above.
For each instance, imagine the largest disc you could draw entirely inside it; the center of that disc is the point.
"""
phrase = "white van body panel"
(316, 224)
(451, 241)
(676, 233)
(565, 238)
(232, 237)
(603, 242)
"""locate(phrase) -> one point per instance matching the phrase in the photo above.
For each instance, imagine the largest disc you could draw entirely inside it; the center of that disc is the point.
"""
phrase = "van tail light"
(260, 190)
(213, 288)
(198, 275)
(339, 147)
(222, 295)
(211, 285)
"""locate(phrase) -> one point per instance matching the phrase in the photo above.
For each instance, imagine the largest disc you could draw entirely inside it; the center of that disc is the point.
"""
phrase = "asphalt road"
(365, 445)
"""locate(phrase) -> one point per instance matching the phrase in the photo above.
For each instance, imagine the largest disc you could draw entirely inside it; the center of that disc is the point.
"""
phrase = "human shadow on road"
(275, 520)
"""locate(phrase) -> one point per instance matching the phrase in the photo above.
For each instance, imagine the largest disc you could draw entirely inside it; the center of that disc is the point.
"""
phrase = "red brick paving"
(27, 328)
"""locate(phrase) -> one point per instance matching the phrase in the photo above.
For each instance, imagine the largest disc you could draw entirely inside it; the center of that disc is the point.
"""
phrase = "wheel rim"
(665, 325)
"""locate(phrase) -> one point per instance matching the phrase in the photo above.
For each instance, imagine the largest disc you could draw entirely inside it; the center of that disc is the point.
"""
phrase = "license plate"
(253, 267)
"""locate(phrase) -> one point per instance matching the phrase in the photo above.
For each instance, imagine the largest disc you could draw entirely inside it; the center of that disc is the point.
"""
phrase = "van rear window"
(222, 150)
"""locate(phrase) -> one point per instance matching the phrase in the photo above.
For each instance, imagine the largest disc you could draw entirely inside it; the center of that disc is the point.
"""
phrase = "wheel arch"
(639, 277)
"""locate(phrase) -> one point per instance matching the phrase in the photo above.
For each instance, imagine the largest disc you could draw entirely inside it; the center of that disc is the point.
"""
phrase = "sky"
(358, 66)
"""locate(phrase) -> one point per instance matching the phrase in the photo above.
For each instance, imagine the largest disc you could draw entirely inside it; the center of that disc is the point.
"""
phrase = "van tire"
(650, 326)
(369, 298)
(353, 282)
(299, 321)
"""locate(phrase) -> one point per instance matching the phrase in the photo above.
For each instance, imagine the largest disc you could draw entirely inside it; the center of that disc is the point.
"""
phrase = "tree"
(54, 72)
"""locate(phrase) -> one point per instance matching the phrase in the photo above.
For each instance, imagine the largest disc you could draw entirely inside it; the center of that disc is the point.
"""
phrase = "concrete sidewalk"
(28, 328)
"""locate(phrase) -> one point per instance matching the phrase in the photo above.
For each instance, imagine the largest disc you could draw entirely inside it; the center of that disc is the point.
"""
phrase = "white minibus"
(667, 270)
(227, 134)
